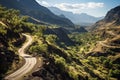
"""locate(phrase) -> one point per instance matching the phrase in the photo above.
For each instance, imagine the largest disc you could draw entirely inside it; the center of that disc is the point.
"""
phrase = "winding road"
(30, 62)
(116, 36)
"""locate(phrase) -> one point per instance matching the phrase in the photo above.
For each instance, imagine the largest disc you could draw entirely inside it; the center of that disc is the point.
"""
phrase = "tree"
(51, 38)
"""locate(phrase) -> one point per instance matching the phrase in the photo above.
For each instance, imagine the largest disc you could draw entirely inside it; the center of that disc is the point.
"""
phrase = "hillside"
(109, 29)
(33, 9)
(81, 19)
(12, 25)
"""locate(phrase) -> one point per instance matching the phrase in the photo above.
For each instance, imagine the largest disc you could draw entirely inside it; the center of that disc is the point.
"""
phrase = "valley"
(36, 44)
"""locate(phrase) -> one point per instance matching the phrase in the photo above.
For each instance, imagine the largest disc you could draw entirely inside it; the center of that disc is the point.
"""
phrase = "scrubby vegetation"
(73, 61)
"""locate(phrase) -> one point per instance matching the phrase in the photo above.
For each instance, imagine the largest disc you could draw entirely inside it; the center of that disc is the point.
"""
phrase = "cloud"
(43, 3)
(75, 8)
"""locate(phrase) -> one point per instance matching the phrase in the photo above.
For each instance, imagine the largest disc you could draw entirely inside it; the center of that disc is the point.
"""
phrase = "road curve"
(103, 44)
(29, 61)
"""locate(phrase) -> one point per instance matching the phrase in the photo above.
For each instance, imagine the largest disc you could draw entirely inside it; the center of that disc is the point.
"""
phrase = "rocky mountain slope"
(112, 19)
(109, 30)
(33, 9)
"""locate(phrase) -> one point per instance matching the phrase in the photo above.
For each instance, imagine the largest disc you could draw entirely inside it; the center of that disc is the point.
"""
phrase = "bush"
(115, 73)
(38, 48)
(107, 63)
(61, 63)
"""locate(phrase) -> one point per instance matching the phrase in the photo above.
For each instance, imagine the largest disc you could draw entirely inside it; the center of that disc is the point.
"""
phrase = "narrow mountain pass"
(30, 61)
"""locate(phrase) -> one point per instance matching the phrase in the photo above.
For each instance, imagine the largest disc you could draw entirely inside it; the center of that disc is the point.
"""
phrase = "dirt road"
(30, 61)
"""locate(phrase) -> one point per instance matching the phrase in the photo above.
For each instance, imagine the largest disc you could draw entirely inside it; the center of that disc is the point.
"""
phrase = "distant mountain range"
(33, 9)
(81, 19)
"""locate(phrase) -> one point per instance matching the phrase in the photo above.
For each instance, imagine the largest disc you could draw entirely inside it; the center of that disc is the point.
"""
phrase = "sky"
(97, 8)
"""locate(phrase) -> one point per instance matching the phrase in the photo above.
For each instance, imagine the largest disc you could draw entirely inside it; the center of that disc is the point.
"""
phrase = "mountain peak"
(113, 14)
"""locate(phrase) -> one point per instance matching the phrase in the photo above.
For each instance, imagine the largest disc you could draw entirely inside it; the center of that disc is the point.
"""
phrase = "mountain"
(109, 45)
(111, 19)
(113, 15)
(109, 29)
(82, 19)
(33, 9)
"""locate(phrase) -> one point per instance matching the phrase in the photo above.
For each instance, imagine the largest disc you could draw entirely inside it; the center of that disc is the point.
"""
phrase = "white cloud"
(76, 8)
(43, 3)
(94, 5)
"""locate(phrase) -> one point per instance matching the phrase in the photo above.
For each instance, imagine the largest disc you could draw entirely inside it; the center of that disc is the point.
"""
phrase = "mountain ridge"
(80, 19)
(111, 19)
(33, 9)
